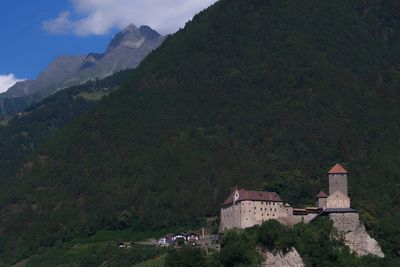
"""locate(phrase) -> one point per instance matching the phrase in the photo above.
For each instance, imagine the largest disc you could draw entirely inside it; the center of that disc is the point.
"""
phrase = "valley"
(265, 102)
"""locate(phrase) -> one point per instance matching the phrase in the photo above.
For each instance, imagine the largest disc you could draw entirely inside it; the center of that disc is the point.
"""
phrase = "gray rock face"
(355, 235)
(278, 259)
(57, 72)
(125, 51)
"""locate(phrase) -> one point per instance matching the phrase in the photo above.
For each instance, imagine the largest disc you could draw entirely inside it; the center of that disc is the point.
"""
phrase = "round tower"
(338, 180)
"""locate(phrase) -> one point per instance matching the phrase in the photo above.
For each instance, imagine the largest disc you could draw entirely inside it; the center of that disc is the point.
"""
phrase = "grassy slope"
(279, 95)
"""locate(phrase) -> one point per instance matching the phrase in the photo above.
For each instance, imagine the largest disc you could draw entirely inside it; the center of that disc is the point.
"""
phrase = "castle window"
(275, 210)
(270, 209)
(273, 215)
(255, 208)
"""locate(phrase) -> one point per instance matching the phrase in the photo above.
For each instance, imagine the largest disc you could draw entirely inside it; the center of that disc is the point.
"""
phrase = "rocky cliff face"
(125, 51)
(279, 259)
(56, 73)
(355, 235)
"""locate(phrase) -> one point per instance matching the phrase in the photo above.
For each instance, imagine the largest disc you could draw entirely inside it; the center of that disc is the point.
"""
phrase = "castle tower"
(338, 180)
(321, 199)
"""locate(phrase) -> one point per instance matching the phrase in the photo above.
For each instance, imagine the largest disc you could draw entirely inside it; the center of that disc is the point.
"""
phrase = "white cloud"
(59, 25)
(7, 81)
(99, 16)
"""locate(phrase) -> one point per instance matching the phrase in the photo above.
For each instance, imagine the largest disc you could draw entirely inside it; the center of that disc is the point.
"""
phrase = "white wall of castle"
(244, 214)
(338, 200)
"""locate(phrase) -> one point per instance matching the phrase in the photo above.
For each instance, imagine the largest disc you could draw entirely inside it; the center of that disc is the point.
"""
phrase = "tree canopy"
(280, 94)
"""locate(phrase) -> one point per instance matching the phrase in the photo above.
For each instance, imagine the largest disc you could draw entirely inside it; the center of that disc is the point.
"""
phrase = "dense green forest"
(270, 100)
(21, 134)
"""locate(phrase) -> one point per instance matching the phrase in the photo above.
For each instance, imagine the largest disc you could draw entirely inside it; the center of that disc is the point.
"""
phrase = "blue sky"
(33, 33)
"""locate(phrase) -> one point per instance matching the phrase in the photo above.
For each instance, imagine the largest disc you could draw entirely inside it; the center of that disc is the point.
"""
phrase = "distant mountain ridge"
(125, 51)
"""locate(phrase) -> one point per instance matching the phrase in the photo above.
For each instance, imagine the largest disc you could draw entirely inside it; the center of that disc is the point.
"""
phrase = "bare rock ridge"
(355, 235)
(57, 72)
(279, 259)
(125, 51)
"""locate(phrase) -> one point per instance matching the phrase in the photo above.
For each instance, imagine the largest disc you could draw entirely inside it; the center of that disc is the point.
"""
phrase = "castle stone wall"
(338, 182)
(321, 203)
(338, 200)
(244, 214)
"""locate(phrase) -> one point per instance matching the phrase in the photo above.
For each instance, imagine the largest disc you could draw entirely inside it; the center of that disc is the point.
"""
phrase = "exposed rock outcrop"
(355, 235)
(279, 259)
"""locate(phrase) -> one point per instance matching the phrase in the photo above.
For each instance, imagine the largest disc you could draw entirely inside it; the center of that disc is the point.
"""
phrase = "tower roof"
(321, 194)
(337, 169)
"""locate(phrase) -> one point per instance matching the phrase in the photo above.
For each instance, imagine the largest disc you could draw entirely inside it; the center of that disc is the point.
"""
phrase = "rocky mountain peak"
(130, 36)
(133, 37)
(149, 33)
(125, 51)
(130, 28)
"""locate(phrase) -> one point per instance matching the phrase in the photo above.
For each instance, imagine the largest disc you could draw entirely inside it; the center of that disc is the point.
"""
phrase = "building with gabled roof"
(242, 195)
(337, 169)
(337, 176)
(321, 199)
(321, 194)
(246, 208)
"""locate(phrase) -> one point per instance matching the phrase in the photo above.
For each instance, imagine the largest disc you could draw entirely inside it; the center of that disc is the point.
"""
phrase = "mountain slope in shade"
(126, 51)
(20, 135)
(269, 101)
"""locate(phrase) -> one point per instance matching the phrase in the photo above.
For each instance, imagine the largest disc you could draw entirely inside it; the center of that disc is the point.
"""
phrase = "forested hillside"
(255, 93)
(20, 135)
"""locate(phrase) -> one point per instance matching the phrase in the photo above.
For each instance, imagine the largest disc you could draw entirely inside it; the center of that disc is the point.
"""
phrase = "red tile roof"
(253, 196)
(337, 169)
(321, 194)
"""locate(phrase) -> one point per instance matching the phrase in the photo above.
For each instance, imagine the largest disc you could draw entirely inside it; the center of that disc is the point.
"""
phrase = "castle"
(243, 208)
